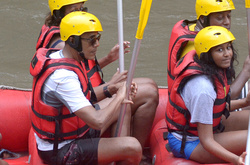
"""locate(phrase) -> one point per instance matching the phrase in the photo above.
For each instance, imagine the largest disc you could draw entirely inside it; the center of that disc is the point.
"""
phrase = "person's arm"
(240, 103)
(59, 45)
(69, 92)
(241, 79)
(210, 145)
(99, 119)
(112, 85)
(104, 61)
(113, 54)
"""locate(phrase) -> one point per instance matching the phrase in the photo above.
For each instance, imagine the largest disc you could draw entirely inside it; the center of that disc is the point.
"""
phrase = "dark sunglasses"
(84, 9)
(92, 40)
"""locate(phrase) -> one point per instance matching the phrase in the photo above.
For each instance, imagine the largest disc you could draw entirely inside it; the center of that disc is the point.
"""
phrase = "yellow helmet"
(211, 36)
(78, 22)
(57, 4)
(205, 7)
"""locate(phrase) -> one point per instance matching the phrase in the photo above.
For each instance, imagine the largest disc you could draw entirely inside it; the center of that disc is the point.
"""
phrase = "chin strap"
(93, 98)
(76, 43)
(78, 47)
(85, 61)
(202, 24)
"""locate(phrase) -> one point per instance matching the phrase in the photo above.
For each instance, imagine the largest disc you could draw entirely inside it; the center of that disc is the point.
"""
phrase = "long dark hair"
(55, 19)
(212, 70)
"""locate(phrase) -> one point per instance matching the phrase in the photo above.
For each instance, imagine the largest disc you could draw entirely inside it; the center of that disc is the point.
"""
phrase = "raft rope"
(14, 88)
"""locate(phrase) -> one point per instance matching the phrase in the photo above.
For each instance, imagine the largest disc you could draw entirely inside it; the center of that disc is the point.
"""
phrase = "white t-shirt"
(62, 88)
(199, 96)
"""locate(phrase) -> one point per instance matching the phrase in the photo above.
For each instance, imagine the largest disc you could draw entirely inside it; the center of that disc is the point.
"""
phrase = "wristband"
(106, 91)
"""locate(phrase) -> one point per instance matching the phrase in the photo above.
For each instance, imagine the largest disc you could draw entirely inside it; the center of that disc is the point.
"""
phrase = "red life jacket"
(177, 115)
(93, 72)
(179, 38)
(46, 34)
(48, 122)
(93, 68)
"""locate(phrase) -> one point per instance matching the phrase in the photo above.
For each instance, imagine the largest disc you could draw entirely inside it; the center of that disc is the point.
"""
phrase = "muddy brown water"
(21, 21)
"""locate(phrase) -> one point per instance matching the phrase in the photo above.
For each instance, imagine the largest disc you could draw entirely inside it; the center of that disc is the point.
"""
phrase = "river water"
(21, 21)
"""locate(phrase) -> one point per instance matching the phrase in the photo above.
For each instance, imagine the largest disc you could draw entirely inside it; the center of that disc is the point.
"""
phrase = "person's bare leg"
(238, 120)
(234, 142)
(143, 109)
(122, 150)
(126, 128)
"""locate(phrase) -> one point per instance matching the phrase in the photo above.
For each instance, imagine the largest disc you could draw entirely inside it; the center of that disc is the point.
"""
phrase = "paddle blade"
(144, 13)
(247, 3)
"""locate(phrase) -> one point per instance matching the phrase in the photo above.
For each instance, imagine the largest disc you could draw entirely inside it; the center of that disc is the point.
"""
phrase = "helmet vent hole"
(92, 20)
(218, 0)
(217, 34)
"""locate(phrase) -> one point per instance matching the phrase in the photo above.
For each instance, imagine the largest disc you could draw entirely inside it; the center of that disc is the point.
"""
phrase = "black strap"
(93, 97)
(56, 43)
(106, 91)
(99, 70)
(52, 118)
(184, 136)
(62, 135)
(220, 128)
(57, 134)
(168, 147)
(165, 137)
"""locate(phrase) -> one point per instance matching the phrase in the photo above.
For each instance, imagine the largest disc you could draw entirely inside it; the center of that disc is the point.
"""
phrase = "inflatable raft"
(18, 136)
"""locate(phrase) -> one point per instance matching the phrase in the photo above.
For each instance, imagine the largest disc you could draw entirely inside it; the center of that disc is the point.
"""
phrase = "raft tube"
(18, 136)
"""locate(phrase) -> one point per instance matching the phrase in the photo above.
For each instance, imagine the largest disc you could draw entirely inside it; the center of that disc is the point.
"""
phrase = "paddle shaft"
(143, 18)
(120, 35)
(247, 159)
(128, 84)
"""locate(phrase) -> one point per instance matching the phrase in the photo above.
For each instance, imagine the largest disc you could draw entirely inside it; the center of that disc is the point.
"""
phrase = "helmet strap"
(205, 21)
(75, 43)
(202, 23)
(58, 15)
(85, 61)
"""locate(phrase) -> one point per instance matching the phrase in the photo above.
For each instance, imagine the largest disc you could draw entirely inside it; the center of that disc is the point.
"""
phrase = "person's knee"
(133, 147)
(147, 100)
(149, 90)
(154, 92)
